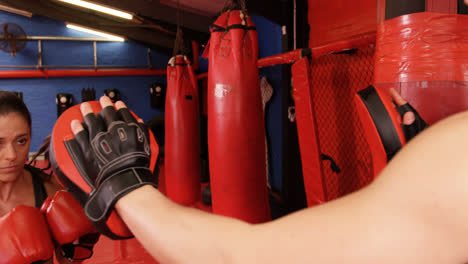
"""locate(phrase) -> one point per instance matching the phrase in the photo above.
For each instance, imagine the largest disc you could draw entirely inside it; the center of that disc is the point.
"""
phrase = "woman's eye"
(22, 141)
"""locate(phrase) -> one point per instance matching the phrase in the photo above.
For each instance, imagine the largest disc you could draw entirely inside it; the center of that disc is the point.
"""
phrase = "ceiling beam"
(159, 22)
(151, 37)
(268, 9)
(160, 12)
(164, 13)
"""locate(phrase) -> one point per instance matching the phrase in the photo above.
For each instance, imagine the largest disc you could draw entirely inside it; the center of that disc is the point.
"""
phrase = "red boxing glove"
(69, 226)
(24, 237)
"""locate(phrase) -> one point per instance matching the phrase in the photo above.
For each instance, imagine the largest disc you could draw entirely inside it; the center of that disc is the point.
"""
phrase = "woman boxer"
(24, 187)
(20, 184)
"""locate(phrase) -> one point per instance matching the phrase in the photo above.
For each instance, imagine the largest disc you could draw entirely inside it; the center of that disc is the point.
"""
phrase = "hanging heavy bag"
(236, 134)
(182, 133)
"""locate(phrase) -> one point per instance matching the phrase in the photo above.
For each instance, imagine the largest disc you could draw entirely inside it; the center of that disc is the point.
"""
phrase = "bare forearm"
(176, 234)
(414, 213)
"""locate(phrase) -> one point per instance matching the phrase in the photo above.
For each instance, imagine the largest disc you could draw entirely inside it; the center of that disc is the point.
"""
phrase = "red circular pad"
(62, 132)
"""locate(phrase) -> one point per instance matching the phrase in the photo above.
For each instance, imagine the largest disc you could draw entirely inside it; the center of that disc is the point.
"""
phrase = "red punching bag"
(425, 57)
(236, 134)
(182, 133)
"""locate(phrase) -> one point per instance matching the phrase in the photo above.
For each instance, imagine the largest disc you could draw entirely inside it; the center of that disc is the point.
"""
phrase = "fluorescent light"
(96, 32)
(99, 8)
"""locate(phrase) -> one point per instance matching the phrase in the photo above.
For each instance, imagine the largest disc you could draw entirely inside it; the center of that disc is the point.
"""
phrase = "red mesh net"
(335, 80)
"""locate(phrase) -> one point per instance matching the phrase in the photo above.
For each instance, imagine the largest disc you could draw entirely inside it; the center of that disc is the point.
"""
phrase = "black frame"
(395, 8)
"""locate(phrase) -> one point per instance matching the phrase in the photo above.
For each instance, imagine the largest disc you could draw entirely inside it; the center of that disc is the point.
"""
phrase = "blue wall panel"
(66, 53)
(39, 96)
(39, 93)
(269, 42)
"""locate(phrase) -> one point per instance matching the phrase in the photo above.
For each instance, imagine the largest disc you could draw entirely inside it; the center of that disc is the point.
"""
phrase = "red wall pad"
(182, 130)
(381, 123)
(306, 129)
(335, 79)
(425, 56)
(334, 21)
(283, 58)
(236, 133)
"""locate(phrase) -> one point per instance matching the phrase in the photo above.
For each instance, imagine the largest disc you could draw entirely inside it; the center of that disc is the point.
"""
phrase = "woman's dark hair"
(10, 103)
(43, 150)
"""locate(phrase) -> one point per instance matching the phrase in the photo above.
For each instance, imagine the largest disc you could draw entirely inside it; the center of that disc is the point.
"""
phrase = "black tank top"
(40, 193)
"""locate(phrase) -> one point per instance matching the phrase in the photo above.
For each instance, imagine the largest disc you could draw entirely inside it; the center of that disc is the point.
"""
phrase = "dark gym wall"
(269, 42)
(462, 7)
(397, 8)
(39, 93)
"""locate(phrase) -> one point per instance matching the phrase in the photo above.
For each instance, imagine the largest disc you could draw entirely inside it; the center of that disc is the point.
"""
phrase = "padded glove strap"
(102, 201)
(382, 120)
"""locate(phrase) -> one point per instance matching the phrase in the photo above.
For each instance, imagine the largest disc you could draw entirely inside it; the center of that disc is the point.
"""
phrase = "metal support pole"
(39, 58)
(95, 54)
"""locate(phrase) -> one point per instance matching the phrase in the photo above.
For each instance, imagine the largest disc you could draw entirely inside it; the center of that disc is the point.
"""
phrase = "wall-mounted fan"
(12, 38)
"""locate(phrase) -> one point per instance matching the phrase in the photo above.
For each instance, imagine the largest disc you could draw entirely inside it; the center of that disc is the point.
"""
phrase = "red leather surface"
(236, 134)
(25, 237)
(425, 57)
(336, 20)
(66, 218)
(182, 134)
(306, 129)
(162, 177)
(283, 58)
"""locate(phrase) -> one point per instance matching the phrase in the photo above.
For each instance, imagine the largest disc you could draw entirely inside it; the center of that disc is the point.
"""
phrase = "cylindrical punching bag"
(182, 133)
(236, 133)
(425, 57)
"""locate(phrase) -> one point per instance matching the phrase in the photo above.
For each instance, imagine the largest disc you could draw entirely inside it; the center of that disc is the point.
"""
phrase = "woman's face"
(15, 138)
